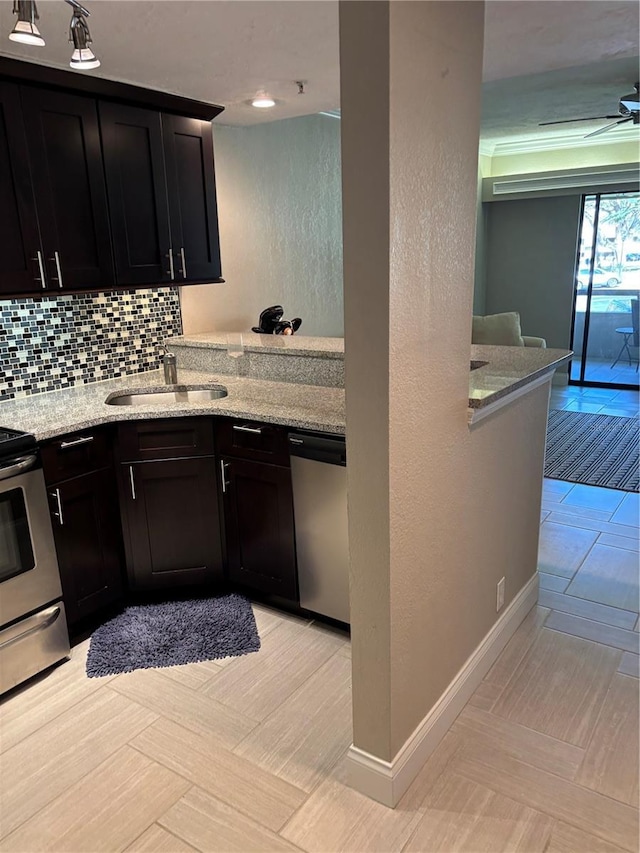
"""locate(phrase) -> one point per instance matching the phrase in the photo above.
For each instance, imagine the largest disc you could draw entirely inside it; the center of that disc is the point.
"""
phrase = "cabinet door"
(88, 542)
(171, 521)
(19, 236)
(258, 512)
(134, 168)
(66, 166)
(191, 185)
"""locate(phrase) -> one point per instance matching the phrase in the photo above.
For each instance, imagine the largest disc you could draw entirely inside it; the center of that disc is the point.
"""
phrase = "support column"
(410, 96)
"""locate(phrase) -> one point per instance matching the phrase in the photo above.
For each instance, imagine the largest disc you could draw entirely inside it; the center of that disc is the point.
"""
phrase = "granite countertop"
(253, 342)
(71, 409)
(508, 370)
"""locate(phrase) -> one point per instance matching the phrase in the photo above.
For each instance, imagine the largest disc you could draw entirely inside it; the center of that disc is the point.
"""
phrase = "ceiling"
(543, 60)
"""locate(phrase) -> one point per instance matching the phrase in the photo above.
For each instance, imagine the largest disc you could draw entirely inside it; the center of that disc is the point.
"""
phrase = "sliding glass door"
(606, 292)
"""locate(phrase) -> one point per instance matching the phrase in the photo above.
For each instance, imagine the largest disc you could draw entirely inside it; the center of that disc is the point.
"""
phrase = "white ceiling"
(543, 60)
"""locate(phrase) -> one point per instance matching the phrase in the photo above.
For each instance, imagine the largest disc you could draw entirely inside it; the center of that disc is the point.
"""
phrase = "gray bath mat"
(173, 633)
(599, 450)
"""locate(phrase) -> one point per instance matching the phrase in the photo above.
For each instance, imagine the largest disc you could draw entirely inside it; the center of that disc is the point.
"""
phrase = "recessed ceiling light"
(263, 102)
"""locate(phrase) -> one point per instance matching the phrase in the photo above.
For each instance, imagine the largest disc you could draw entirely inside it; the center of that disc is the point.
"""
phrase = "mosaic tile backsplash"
(55, 342)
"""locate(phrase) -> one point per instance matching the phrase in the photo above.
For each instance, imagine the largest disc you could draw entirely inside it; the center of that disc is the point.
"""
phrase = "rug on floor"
(173, 633)
(598, 450)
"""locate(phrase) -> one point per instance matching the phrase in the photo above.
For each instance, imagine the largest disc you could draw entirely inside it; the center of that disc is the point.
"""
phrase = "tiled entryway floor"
(247, 753)
(602, 401)
(603, 370)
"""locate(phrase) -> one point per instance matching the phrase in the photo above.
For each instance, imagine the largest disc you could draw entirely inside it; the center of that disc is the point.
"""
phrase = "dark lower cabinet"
(171, 524)
(258, 513)
(86, 528)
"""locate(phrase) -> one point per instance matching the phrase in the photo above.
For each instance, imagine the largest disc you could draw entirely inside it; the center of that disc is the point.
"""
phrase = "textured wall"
(55, 342)
(364, 74)
(438, 513)
(406, 507)
(280, 228)
(530, 255)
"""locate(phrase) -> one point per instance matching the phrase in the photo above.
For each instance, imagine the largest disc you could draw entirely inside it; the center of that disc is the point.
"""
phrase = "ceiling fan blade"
(569, 120)
(607, 127)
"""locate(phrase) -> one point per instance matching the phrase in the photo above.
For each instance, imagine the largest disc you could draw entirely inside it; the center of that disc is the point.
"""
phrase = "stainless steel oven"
(33, 628)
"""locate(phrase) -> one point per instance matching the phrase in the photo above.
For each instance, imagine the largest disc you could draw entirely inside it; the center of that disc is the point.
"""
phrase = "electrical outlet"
(500, 594)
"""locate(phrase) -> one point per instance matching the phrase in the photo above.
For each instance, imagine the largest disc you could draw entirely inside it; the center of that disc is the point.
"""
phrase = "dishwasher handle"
(320, 448)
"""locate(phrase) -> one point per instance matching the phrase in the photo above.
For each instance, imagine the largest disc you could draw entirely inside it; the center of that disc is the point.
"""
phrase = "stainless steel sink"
(171, 395)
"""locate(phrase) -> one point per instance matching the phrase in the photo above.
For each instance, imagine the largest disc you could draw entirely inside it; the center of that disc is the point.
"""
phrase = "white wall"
(279, 206)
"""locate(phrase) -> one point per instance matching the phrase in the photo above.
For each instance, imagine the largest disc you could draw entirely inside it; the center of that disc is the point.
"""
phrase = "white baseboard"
(386, 781)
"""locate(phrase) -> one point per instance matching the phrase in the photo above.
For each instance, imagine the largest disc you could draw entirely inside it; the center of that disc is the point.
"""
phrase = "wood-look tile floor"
(247, 754)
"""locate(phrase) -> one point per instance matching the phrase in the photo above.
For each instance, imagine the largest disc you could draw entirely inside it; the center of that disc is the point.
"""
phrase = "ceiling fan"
(628, 110)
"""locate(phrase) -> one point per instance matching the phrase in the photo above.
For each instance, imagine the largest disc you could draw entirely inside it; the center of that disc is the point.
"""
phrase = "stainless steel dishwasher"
(319, 477)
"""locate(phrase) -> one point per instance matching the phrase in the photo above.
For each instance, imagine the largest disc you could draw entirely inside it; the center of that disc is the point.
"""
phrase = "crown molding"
(564, 182)
(556, 143)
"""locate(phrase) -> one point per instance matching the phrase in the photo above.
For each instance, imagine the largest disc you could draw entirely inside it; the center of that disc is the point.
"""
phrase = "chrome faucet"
(168, 360)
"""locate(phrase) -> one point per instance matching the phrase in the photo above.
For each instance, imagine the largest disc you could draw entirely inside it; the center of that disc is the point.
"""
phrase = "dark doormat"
(173, 633)
(598, 450)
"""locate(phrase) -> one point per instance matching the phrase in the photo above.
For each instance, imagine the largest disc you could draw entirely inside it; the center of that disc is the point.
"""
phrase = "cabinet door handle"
(223, 471)
(58, 514)
(133, 483)
(56, 258)
(253, 430)
(170, 271)
(184, 264)
(42, 279)
(86, 439)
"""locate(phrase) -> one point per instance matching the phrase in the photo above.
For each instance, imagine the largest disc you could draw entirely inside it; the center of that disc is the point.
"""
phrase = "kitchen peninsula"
(295, 381)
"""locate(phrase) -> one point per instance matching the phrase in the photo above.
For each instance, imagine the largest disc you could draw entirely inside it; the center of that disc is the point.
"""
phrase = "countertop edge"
(476, 403)
(274, 345)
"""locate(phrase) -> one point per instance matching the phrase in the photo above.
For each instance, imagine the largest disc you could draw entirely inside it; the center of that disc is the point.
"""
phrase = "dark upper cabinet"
(191, 191)
(20, 247)
(258, 514)
(162, 196)
(102, 190)
(86, 529)
(135, 173)
(65, 154)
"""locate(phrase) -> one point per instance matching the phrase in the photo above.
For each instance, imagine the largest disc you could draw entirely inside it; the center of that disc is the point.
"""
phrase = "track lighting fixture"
(25, 30)
(82, 58)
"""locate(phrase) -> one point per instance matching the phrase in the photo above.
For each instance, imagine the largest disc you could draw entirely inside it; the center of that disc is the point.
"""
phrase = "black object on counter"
(271, 322)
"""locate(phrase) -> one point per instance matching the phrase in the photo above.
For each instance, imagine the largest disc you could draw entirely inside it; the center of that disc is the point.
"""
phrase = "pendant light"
(82, 58)
(25, 30)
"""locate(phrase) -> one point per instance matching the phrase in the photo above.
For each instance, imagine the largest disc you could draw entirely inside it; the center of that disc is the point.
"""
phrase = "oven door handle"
(17, 466)
(35, 623)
